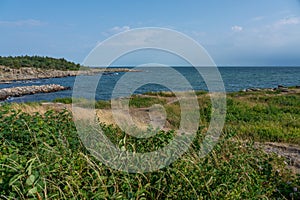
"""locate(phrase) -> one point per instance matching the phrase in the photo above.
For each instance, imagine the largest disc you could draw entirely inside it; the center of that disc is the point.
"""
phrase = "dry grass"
(41, 108)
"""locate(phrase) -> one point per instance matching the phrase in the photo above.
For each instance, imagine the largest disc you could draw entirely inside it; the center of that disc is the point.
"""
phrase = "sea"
(161, 79)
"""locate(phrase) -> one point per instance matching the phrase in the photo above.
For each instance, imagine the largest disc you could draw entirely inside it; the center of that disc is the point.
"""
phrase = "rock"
(269, 90)
(30, 73)
(283, 89)
(280, 86)
(253, 89)
(3, 96)
(25, 90)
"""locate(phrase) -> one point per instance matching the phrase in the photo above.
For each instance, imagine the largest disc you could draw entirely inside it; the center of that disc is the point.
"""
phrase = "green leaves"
(32, 191)
(30, 180)
(42, 157)
(15, 178)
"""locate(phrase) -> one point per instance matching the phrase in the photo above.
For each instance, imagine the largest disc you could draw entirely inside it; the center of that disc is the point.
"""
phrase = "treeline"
(38, 62)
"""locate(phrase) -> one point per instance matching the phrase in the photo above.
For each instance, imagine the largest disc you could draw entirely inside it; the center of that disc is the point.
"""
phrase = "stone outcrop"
(280, 88)
(25, 90)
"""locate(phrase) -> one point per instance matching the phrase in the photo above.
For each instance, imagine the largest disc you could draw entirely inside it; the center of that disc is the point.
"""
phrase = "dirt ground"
(290, 152)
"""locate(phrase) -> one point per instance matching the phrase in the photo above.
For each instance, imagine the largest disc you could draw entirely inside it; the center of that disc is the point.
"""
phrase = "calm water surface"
(234, 78)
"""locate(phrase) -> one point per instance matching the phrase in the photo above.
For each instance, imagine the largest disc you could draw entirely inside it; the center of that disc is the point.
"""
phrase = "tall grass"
(41, 157)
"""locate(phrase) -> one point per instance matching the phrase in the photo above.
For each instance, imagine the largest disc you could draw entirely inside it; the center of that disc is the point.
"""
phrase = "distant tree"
(38, 62)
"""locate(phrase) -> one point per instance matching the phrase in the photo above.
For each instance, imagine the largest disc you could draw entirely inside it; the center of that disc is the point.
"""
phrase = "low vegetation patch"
(100, 104)
(42, 157)
(139, 101)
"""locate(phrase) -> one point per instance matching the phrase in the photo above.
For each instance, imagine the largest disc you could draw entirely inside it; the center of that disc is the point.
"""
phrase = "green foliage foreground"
(41, 157)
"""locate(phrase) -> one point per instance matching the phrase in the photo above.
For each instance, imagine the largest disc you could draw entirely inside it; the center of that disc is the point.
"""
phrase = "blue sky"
(248, 33)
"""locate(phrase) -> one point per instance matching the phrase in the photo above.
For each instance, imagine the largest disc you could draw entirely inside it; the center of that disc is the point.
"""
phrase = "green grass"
(171, 94)
(266, 118)
(135, 101)
(161, 94)
(41, 156)
(65, 100)
(255, 115)
(100, 104)
(138, 101)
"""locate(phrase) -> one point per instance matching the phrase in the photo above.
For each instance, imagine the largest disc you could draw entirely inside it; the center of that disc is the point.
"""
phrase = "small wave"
(111, 73)
(9, 99)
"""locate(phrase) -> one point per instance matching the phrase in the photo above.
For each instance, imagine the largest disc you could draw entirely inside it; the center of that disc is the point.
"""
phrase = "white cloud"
(280, 33)
(236, 28)
(288, 21)
(28, 22)
(258, 18)
(115, 30)
(198, 33)
(118, 29)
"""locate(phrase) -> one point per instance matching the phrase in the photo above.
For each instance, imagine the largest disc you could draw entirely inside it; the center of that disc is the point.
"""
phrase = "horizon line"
(201, 66)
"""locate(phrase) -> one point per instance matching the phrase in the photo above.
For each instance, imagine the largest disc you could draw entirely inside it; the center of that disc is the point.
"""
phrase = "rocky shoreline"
(8, 74)
(26, 90)
(279, 88)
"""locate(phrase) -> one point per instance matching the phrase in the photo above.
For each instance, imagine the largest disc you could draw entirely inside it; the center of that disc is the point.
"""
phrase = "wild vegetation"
(38, 62)
(41, 155)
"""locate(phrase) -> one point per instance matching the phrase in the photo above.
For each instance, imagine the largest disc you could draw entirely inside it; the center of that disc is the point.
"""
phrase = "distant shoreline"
(8, 74)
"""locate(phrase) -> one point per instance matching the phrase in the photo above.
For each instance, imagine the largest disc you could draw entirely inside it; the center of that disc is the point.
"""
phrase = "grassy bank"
(42, 157)
(261, 116)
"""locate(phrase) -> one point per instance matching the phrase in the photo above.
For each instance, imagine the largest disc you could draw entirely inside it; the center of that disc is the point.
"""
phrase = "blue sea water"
(234, 78)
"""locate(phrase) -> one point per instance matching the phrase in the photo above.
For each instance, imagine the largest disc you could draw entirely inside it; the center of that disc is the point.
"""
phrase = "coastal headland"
(9, 74)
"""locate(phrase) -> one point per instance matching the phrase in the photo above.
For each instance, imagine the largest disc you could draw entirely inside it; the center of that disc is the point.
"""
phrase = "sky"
(234, 33)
